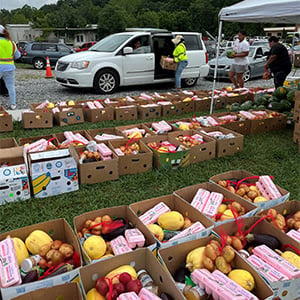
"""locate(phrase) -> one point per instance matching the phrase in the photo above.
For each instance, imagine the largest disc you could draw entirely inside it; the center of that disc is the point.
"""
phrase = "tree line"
(116, 15)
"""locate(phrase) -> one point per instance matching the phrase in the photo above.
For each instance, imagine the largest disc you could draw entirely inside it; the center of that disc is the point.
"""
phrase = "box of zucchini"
(273, 254)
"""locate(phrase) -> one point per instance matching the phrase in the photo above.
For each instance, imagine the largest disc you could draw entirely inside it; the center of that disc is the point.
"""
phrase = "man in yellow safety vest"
(8, 52)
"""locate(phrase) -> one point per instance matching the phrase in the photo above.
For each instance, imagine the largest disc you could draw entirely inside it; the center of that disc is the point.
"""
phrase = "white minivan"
(115, 61)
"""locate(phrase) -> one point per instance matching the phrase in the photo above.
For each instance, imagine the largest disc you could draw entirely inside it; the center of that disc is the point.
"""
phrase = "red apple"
(114, 295)
(125, 277)
(119, 287)
(102, 286)
(134, 286)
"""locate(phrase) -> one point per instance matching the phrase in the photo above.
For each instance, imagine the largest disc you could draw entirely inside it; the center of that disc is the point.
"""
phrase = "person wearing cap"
(8, 52)
(180, 57)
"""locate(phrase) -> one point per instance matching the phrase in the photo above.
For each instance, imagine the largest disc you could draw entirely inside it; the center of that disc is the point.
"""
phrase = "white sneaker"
(13, 107)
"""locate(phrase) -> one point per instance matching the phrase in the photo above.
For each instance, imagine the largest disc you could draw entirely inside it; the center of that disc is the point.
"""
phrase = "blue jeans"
(178, 72)
(9, 79)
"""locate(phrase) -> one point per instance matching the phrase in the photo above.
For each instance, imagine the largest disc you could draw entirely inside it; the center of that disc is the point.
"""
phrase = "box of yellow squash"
(109, 224)
(30, 241)
(131, 263)
(60, 292)
(264, 232)
(172, 220)
(176, 257)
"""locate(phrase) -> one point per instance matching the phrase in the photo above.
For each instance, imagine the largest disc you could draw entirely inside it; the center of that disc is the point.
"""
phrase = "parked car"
(21, 45)
(36, 53)
(85, 46)
(261, 43)
(114, 62)
(257, 58)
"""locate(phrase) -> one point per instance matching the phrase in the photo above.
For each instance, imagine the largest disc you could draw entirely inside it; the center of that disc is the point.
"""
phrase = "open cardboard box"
(175, 108)
(187, 194)
(8, 143)
(149, 126)
(61, 137)
(167, 65)
(37, 119)
(175, 257)
(141, 259)
(175, 203)
(174, 124)
(124, 110)
(14, 178)
(133, 163)
(202, 104)
(120, 130)
(69, 115)
(226, 146)
(48, 137)
(99, 131)
(168, 160)
(65, 291)
(240, 126)
(198, 152)
(241, 174)
(288, 289)
(98, 114)
(148, 110)
(58, 229)
(98, 171)
(52, 173)
(119, 212)
(6, 123)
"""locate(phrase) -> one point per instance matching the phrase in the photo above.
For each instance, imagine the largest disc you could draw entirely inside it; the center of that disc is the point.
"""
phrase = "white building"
(23, 32)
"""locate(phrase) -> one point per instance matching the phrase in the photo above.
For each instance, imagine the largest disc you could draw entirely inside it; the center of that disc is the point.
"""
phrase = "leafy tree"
(148, 19)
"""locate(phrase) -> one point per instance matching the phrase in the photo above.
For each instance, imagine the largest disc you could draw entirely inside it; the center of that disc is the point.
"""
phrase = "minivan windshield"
(110, 43)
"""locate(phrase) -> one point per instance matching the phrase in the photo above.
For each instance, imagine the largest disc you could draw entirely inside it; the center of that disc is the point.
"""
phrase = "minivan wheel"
(39, 63)
(106, 82)
(247, 75)
(189, 82)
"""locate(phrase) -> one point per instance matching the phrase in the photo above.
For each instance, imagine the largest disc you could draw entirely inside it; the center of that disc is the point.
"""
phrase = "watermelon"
(235, 107)
(247, 105)
(287, 104)
(261, 100)
(230, 53)
(274, 99)
(280, 92)
(261, 107)
(276, 106)
(291, 96)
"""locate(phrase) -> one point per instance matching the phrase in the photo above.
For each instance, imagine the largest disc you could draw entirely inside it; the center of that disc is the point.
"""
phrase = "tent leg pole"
(216, 68)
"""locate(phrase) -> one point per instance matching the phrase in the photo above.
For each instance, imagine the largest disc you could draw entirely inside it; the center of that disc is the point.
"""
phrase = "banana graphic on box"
(39, 184)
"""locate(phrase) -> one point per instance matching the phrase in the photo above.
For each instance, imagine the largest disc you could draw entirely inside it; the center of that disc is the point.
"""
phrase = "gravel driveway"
(33, 87)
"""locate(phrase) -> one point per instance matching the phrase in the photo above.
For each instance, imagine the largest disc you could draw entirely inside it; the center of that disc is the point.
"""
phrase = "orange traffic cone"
(48, 69)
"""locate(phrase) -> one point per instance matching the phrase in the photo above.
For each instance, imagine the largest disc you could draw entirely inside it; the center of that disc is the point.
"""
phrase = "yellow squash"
(125, 268)
(172, 220)
(94, 246)
(243, 278)
(36, 239)
(93, 294)
(21, 250)
(292, 257)
(194, 259)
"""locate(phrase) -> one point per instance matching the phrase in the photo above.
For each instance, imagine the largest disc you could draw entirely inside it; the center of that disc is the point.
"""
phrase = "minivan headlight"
(80, 64)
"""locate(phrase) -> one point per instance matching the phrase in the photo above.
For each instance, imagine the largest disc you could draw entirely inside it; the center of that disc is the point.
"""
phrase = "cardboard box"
(202, 105)
(59, 292)
(199, 152)
(148, 110)
(99, 131)
(98, 171)
(124, 110)
(140, 259)
(6, 123)
(120, 130)
(286, 208)
(115, 212)
(288, 289)
(133, 164)
(176, 108)
(52, 173)
(14, 178)
(241, 174)
(240, 126)
(98, 114)
(174, 257)
(187, 194)
(167, 65)
(37, 119)
(297, 60)
(58, 229)
(149, 126)
(168, 160)
(68, 117)
(175, 203)
(226, 146)
(61, 137)
(8, 143)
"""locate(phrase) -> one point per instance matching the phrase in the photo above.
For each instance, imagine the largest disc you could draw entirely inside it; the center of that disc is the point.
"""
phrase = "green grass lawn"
(272, 153)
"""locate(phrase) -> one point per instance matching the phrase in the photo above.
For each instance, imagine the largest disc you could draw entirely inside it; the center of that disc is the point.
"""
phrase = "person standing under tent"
(8, 52)
(240, 60)
(279, 61)
(180, 57)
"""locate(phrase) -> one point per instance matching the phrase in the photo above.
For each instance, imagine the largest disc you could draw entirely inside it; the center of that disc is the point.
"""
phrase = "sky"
(13, 4)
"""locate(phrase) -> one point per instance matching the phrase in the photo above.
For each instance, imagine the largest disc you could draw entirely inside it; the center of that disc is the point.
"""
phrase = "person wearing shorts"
(240, 60)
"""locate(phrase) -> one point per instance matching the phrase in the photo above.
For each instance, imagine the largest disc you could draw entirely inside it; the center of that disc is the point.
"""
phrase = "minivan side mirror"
(127, 50)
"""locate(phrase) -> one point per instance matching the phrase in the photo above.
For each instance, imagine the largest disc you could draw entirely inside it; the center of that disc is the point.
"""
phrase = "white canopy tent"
(257, 11)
